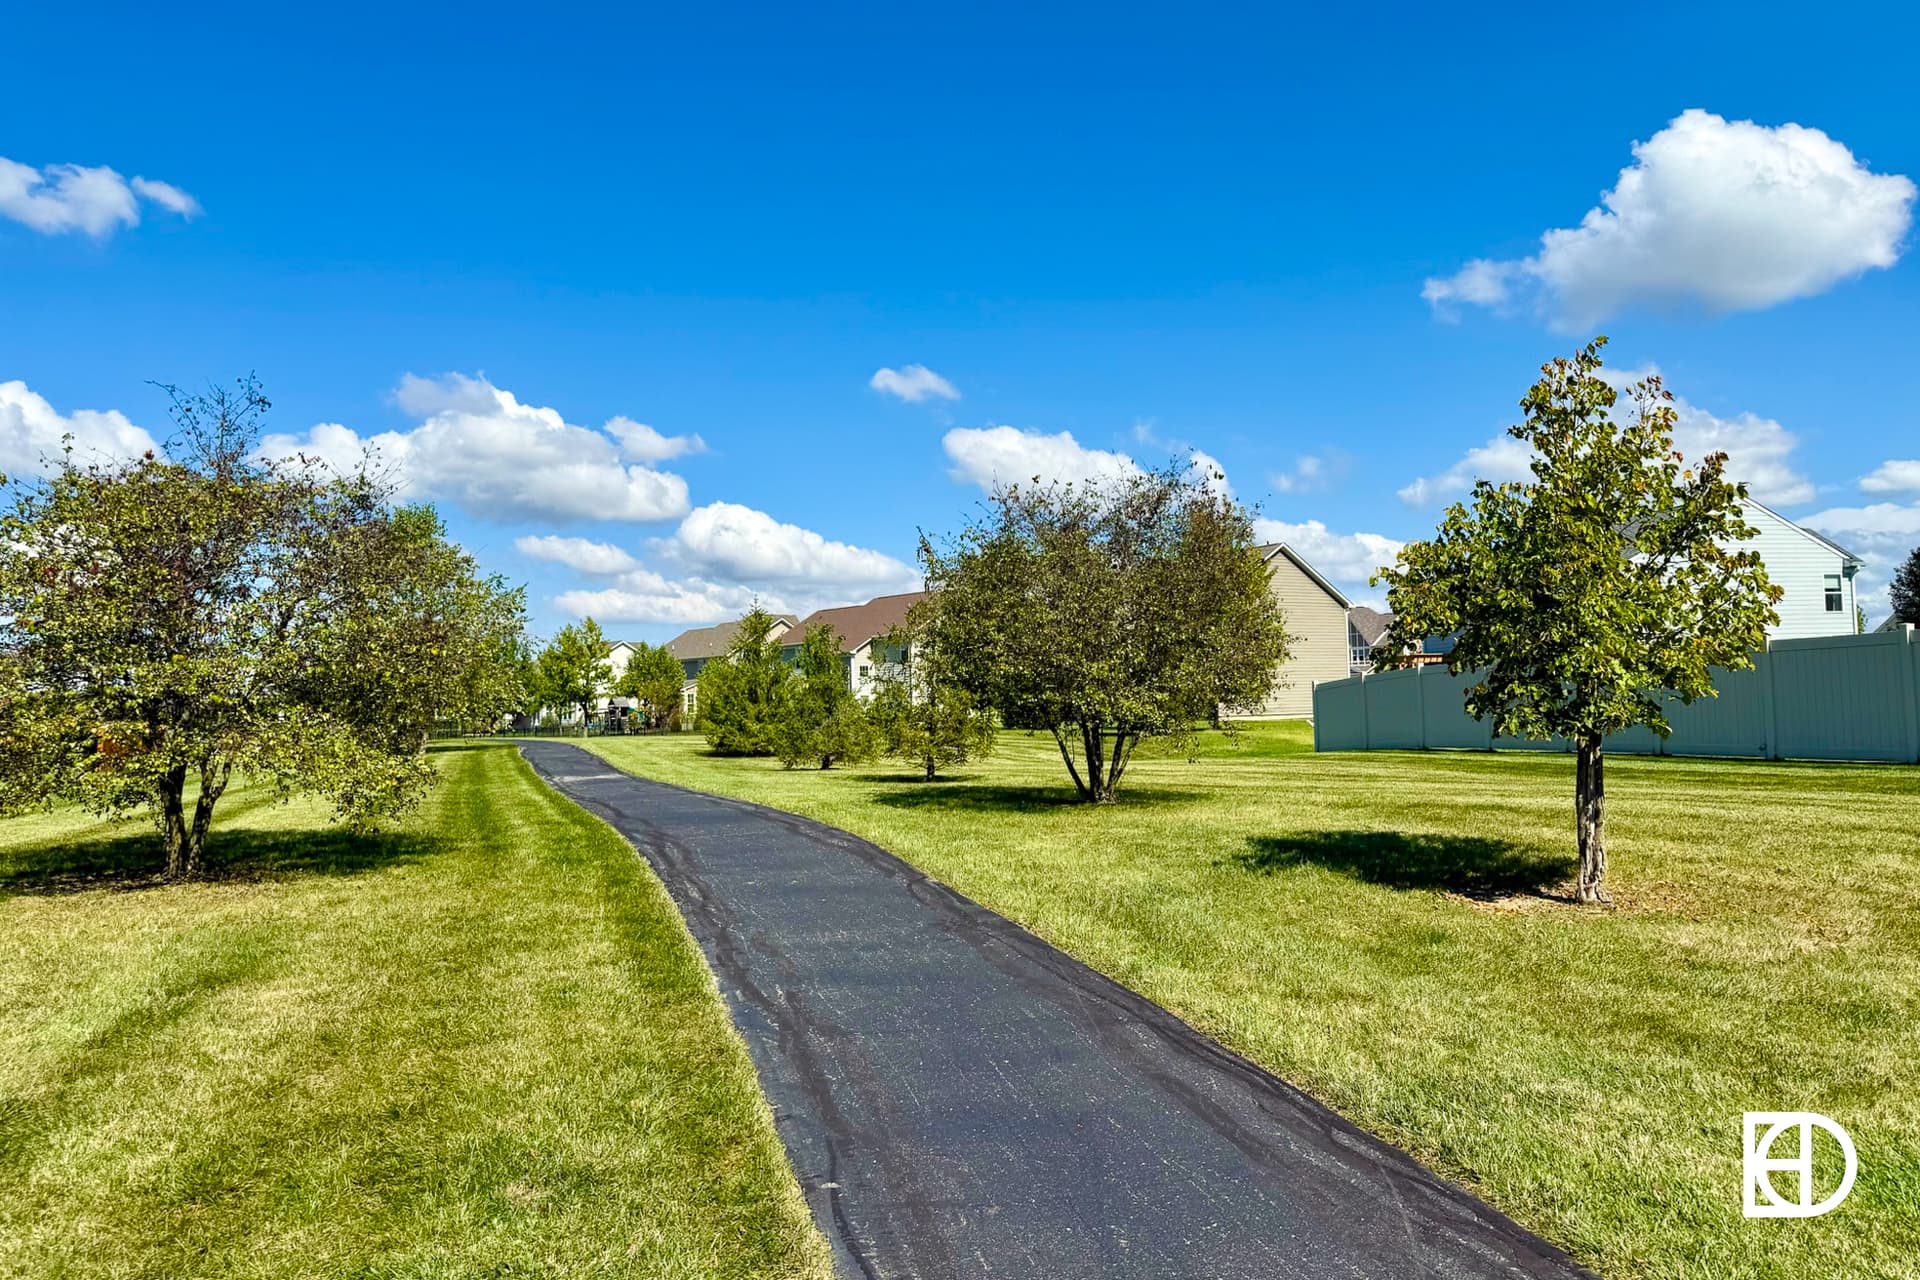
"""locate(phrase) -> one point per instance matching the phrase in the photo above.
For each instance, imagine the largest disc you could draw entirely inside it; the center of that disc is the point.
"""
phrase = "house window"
(1360, 654)
(1835, 597)
(865, 671)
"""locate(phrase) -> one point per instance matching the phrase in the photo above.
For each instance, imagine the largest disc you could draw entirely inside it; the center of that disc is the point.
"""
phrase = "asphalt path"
(960, 1099)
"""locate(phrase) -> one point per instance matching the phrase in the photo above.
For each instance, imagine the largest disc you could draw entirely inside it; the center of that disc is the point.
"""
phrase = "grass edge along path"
(482, 1043)
(1379, 928)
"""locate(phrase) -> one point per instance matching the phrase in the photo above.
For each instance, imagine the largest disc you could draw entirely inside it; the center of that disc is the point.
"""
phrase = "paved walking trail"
(961, 1099)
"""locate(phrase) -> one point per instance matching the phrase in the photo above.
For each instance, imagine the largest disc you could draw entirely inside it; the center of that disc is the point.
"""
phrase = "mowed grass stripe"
(1379, 928)
(481, 1044)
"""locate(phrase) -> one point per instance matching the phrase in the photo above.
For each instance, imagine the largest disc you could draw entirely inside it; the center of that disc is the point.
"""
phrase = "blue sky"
(477, 237)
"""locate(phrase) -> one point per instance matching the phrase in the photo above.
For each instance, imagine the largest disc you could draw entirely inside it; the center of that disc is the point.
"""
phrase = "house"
(1366, 628)
(701, 645)
(1319, 638)
(1816, 574)
(860, 627)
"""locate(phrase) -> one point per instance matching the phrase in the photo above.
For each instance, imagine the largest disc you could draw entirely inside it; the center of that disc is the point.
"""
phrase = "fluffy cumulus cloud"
(1896, 475)
(94, 200)
(1349, 559)
(483, 450)
(581, 554)
(1313, 472)
(1728, 215)
(1759, 451)
(913, 382)
(990, 456)
(721, 559)
(34, 435)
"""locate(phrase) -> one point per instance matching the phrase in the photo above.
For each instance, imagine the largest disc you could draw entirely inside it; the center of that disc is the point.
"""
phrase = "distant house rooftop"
(1369, 625)
(711, 642)
(856, 624)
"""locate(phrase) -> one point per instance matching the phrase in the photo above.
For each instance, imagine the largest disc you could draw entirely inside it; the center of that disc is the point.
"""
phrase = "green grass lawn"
(481, 1044)
(1382, 930)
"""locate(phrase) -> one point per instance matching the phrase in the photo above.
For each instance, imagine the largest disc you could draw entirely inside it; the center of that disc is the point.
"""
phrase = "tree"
(1106, 614)
(653, 678)
(819, 718)
(574, 670)
(923, 716)
(1587, 597)
(1904, 592)
(168, 620)
(740, 694)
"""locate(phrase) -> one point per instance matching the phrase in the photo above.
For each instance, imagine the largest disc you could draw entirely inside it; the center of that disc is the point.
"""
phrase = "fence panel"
(1828, 698)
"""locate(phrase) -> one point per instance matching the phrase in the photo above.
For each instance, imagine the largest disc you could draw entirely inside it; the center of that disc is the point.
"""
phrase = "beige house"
(1316, 615)
(860, 628)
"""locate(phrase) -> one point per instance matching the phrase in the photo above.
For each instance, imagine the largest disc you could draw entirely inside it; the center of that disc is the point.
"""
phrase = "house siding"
(1317, 631)
(1799, 565)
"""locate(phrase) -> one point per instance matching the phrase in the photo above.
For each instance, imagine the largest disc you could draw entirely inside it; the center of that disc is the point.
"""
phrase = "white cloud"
(1346, 558)
(1759, 451)
(1730, 215)
(1890, 518)
(642, 443)
(480, 448)
(728, 542)
(73, 197)
(33, 434)
(1896, 475)
(583, 554)
(913, 382)
(729, 556)
(989, 456)
(1313, 472)
(645, 596)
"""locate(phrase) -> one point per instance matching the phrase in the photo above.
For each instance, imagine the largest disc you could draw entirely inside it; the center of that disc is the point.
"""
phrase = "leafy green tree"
(740, 695)
(923, 716)
(1586, 598)
(1904, 592)
(653, 678)
(820, 718)
(574, 668)
(1107, 614)
(166, 621)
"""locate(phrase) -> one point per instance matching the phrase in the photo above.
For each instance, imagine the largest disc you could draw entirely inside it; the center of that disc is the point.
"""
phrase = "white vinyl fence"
(1828, 698)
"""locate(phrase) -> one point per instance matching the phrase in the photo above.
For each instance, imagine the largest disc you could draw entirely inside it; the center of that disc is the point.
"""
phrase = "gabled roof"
(1272, 549)
(856, 624)
(1852, 559)
(711, 642)
(1369, 624)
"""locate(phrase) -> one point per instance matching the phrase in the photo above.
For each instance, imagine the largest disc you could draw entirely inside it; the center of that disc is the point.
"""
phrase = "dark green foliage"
(165, 621)
(1105, 615)
(922, 715)
(1904, 592)
(741, 696)
(654, 678)
(1589, 596)
(820, 720)
(573, 668)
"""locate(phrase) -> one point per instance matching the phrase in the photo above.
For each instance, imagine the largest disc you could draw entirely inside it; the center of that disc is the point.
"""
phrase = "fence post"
(1772, 705)
(1912, 680)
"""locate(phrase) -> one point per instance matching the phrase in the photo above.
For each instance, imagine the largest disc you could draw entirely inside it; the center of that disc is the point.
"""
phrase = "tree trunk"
(931, 762)
(1589, 800)
(174, 833)
(1093, 741)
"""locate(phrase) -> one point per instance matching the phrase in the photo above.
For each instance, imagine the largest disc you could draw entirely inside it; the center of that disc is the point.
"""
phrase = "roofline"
(1817, 536)
(1309, 570)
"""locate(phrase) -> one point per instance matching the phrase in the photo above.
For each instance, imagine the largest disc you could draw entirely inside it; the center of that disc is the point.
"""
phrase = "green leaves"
(161, 620)
(1609, 583)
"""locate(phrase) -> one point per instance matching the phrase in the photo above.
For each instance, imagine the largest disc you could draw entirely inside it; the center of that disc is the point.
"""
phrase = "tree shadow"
(1471, 866)
(916, 793)
(136, 861)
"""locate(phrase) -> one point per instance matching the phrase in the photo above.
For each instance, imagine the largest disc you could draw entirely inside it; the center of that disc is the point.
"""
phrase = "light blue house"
(1816, 574)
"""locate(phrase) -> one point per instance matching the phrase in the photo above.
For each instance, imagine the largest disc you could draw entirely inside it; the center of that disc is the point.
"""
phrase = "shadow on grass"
(912, 792)
(1472, 866)
(136, 860)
